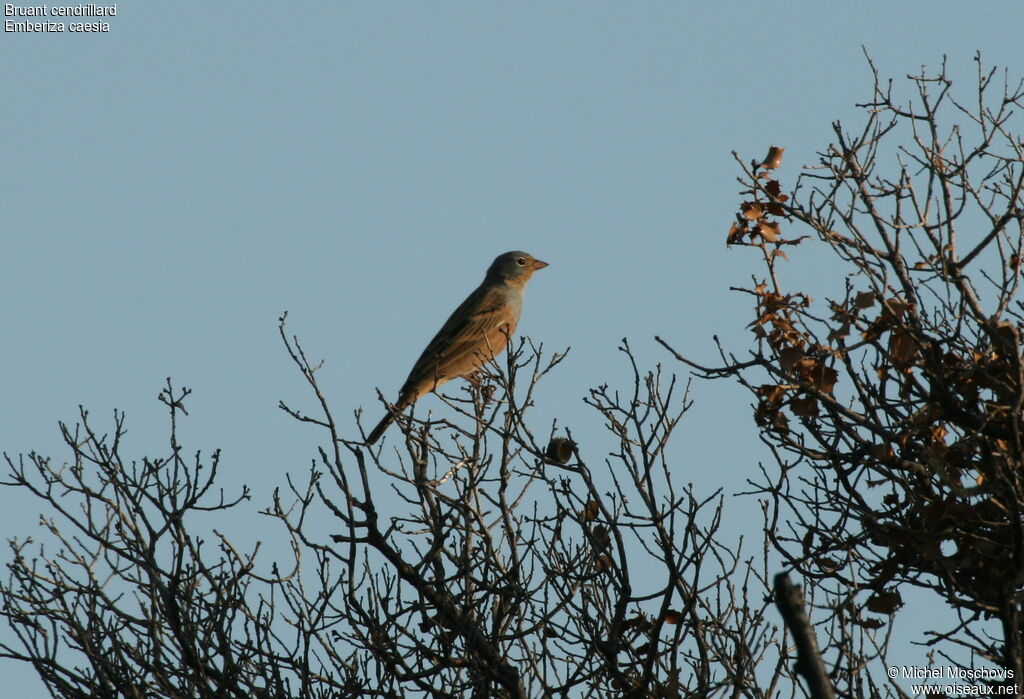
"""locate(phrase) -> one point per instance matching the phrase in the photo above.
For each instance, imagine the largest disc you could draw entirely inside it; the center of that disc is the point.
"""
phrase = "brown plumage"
(477, 331)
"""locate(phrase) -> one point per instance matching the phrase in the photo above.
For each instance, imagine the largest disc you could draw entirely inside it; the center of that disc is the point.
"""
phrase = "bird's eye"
(521, 261)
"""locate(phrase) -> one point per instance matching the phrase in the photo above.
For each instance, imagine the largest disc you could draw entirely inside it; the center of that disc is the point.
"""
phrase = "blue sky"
(169, 187)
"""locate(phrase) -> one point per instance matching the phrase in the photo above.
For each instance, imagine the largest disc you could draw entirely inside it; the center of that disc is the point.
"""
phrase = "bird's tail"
(381, 426)
(392, 410)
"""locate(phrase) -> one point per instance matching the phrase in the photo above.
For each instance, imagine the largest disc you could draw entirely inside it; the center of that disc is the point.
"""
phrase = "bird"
(476, 332)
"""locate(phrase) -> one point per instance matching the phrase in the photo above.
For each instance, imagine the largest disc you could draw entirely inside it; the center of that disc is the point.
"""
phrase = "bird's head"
(514, 267)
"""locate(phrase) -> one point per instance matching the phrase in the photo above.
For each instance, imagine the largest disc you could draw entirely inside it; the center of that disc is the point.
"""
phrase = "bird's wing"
(472, 330)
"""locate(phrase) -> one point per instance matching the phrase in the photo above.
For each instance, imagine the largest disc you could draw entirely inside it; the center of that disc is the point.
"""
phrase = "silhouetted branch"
(790, 603)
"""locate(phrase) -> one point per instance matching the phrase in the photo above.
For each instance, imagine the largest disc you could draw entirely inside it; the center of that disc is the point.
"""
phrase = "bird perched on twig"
(476, 332)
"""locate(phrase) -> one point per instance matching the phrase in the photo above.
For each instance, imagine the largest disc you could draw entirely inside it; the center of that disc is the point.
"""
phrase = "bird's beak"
(539, 264)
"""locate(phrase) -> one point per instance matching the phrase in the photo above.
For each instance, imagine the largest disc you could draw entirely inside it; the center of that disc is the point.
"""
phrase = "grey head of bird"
(514, 267)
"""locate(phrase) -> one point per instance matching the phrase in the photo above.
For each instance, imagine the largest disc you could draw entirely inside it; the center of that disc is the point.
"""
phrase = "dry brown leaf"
(789, 356)
(804, 407)
(827, 379)
(736, 233)
(902, 348)
(769, 230)
(864, 299)
(881, 452)
(813, 371)
(773, 159)
(771, 394)
(885, 602)
(559, 450)
(752, 210)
